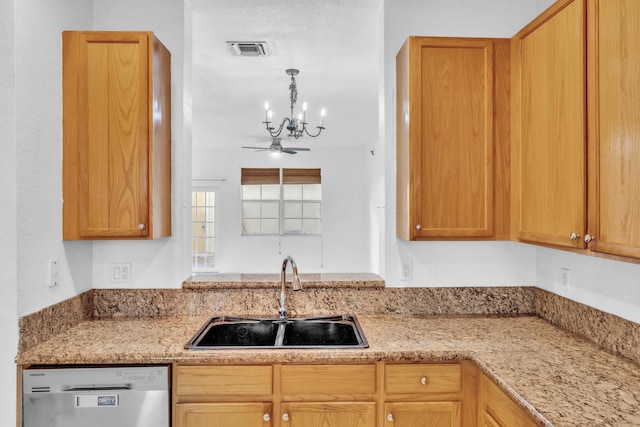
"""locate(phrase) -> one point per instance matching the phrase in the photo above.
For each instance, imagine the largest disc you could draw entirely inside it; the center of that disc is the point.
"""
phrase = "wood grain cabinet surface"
(452, 135)
(613, 44)
(376, 394)
(496, 409)
(549, 126)
(116, 136)
(576, 127)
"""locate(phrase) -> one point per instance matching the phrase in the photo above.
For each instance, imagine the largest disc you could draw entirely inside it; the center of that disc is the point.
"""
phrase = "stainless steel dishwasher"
(98, 397)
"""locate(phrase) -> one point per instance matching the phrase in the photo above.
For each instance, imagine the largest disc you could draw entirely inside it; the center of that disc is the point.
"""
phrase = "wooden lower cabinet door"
(328, 414)
(223, 415)
(422, 414)
(488, 421)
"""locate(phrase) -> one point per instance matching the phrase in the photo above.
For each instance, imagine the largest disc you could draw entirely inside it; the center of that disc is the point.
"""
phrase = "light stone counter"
(569, 380)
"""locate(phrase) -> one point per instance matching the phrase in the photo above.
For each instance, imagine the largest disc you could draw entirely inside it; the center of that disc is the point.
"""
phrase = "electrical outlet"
(121, 272)
(565, 279)
(54, 279)
(406, 271)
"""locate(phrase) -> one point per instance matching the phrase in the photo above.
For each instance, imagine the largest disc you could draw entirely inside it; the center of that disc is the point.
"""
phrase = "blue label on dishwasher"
(109, 400)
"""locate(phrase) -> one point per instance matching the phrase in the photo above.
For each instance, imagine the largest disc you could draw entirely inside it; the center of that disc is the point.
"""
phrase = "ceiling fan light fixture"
(297, 126)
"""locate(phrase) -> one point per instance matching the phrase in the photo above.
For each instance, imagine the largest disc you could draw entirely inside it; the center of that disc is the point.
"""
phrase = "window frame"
(204, 188)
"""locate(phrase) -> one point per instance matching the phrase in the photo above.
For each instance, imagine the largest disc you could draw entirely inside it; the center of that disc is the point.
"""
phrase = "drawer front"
(224, 380)
(423, 378)
(313, 380)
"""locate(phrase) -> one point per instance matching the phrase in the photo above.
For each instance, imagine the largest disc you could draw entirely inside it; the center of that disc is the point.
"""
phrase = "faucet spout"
(296, 284)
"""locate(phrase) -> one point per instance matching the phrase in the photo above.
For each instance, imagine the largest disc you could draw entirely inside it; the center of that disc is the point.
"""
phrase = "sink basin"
(298, 332)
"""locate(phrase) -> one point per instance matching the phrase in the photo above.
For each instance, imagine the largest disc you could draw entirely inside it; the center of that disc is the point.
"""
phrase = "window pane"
(271, 192)
(251, 192)
(211, 199)
(312, 192)
(292, 192)
(293, 210)
(251, 209)
(270, 226)
(211, 214)
(311, 210)
(311, 226)
(197, 230)
(271, 210)
(293, 226)
(250, 226)
(200, 198)
(210, 248)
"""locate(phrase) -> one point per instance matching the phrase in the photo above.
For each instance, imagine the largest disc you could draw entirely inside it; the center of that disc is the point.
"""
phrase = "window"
(287, 201)
(203, 230)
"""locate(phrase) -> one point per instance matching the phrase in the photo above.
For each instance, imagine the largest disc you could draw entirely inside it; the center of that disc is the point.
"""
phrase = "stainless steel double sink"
(297, 332)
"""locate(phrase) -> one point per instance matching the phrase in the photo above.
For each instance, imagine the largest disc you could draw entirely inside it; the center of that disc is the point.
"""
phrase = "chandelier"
(297, 126)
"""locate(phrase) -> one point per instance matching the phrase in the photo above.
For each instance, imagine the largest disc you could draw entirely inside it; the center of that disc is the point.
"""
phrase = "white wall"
(8, 217)
(38, 126)
(448, 263)
(163, 262)
(344, 244)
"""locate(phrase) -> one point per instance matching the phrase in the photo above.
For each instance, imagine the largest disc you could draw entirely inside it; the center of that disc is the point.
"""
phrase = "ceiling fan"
(276, 147)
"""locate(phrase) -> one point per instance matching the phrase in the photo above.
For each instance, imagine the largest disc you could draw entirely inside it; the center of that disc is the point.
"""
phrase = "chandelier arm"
(276, 133)
(320, 129)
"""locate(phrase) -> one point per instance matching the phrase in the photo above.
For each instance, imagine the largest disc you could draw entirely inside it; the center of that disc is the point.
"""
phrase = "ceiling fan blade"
(298, 149)
(256, 148)
(288, 151)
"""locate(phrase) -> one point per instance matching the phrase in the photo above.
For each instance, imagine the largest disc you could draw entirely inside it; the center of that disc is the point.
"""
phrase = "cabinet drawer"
(224, 380)
(422, 378)
(339, 380)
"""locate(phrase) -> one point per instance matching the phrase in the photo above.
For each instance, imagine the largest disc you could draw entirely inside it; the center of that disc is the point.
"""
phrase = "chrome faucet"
(295, 283)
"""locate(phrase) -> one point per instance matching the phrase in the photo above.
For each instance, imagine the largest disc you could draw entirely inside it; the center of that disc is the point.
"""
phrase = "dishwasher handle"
(115, 387)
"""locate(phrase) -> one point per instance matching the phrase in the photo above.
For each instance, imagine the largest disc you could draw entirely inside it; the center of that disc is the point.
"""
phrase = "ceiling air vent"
(248, 48)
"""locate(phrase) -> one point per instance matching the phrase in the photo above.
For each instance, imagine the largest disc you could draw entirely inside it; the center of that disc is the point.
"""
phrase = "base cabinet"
(325, 414)
(496, 409)
(223, 415)
(376, 394)
(423, 414)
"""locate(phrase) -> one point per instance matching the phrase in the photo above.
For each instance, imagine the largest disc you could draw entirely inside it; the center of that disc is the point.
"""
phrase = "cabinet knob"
(588, 238)
(141, 227)
(266, 417)
(424, 380)
(390, 417)
(285, 417)
(574, 236)
(419, 227)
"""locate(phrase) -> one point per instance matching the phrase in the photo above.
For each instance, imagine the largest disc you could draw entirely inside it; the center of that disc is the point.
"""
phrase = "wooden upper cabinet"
(614, 126)
(452, 152)
(549, 152)
(116, 136)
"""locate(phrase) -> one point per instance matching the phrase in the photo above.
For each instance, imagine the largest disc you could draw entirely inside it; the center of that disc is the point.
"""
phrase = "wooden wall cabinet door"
(549, 151)
(614, 126)
(116, 136)
(452, 134)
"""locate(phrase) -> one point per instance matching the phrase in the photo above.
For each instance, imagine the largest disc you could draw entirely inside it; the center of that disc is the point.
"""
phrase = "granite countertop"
(559, 377)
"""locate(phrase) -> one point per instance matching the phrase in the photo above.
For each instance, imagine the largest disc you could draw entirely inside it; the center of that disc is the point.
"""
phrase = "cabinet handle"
(574, 236)
(424, 380)
(141, 227)
(419, 227)
(266, 417)
(285, 417)
(588, 238)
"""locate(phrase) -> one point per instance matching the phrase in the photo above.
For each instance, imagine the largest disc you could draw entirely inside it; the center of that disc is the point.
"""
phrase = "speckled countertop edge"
(539, 365)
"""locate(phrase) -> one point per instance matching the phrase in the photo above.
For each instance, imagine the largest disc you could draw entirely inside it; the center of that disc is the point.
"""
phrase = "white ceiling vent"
(248, 48)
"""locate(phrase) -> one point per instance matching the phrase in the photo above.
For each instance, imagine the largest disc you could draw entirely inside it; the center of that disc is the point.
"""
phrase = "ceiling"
(336, 45)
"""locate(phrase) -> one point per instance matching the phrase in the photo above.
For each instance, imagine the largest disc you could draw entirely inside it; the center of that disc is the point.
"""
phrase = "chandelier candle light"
(297, 127)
